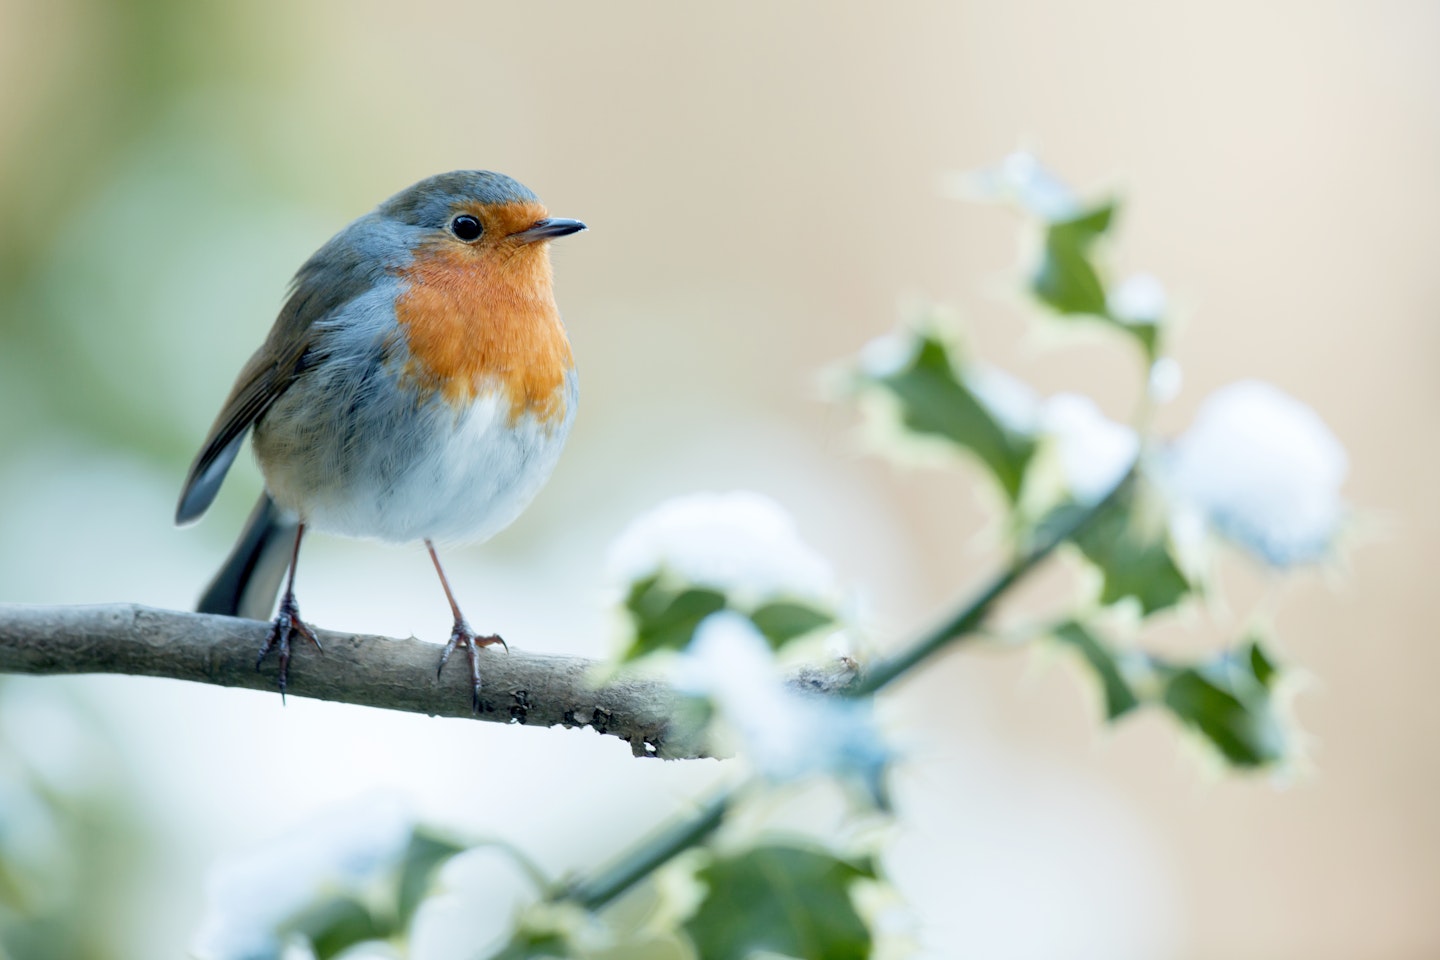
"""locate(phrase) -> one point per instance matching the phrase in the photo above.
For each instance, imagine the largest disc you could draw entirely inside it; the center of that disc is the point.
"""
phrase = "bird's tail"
(249, 581)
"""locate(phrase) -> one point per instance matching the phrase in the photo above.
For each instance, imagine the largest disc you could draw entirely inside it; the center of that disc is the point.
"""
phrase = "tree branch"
(370, 671)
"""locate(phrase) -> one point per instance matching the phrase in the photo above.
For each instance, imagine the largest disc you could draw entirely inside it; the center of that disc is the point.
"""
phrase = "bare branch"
(366, 670)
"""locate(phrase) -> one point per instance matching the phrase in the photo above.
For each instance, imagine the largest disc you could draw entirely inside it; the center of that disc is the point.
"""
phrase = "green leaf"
(1066, 280)
(336, 924)
(527, 945)
(935, 401)
(1228, 700)
(1120, 698)
(1147, 332)
(1132, 550)
(1261, 665)
(782, 899)
(665, 617)
(424, 857)
(783, 621)
(15, 892)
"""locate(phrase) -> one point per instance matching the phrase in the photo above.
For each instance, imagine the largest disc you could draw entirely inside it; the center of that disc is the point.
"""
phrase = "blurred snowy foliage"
(352, 878)
(696, 555)
(784, 734)
(1257, 467)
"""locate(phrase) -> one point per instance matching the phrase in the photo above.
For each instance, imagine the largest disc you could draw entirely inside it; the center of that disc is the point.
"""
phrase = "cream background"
(763, 184)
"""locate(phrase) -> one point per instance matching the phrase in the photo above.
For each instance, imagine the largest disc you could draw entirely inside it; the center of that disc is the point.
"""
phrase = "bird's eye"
(466, 227)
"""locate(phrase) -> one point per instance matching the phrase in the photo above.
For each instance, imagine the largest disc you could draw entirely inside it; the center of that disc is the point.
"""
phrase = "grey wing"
(259, 384)
(328, 281)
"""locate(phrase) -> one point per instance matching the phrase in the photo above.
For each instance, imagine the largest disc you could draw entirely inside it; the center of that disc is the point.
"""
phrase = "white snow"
(1094, 451)
(889, 354)
(1020, 178)
(784, 734)
(1264, 470)
(741, 543)
(1139, 298)
(1010, 400)
(1165, 381)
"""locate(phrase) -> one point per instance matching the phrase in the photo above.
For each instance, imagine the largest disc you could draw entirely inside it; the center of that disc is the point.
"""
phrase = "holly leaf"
(1263, 668)
(935, 401)
(1228, 701)
(543, 945)
(1066, 280)
(1145, 331)
(665, 616)
(336, 924)
(782, 621)
(1131, 548)
(787, 900)
(1120, 697)
(423, 858)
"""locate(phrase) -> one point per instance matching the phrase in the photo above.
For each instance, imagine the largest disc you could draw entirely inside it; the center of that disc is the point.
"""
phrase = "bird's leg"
(287, 622)
(462, 636)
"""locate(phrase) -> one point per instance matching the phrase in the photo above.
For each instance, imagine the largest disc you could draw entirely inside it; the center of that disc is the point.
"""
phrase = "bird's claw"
(287, 623)
(463, 636)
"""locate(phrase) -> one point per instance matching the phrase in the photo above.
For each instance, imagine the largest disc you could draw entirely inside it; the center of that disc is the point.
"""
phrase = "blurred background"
(764, 186)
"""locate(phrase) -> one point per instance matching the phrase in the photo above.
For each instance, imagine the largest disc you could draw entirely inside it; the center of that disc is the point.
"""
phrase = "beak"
(548, 229)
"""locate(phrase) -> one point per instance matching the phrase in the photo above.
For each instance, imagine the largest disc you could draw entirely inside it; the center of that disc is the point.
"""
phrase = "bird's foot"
(463, 636)
(287, 624)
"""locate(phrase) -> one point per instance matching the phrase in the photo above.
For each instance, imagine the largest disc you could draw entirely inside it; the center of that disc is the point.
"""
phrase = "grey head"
(432, 202)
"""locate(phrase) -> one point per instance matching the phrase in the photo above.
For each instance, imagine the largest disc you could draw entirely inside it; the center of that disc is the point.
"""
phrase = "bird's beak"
(548, 229)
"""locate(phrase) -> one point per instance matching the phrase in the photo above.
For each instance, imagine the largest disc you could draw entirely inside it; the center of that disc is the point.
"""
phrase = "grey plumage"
(430, 202)
(249, 580)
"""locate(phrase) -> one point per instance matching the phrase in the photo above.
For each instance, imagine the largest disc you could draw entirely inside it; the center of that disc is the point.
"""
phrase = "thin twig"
(597, 891)
(968, 619)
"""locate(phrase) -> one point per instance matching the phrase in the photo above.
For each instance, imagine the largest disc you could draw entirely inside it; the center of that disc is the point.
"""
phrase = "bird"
(418, 385)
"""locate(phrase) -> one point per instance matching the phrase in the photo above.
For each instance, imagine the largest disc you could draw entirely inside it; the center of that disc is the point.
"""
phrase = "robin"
(417, 385)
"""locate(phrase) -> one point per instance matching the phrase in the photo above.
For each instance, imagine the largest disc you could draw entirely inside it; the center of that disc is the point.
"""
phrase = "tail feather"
(249, 580)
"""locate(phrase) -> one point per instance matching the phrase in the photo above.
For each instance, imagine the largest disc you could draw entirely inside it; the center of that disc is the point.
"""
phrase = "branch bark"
(392, 674)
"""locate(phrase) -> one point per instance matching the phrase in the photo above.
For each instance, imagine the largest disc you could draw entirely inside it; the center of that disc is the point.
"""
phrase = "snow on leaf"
(888, 354)
(741, 544)
(785, 734)
(1165, 380)
(1020, 178)
(699, 554)
(1094, 451)
(1010, 400)
(1139, 298)
(1264, 470)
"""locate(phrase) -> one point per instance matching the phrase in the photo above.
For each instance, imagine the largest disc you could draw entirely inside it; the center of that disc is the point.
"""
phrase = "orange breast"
(475, 319)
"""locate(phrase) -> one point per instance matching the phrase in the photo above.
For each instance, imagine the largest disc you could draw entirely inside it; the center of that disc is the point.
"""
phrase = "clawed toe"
(463, 636)
(287, 624)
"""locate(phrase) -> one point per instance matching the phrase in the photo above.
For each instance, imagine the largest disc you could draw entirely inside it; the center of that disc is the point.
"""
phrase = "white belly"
(378, 467)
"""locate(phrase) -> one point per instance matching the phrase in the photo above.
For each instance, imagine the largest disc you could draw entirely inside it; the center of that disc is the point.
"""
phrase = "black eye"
(466, 227)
